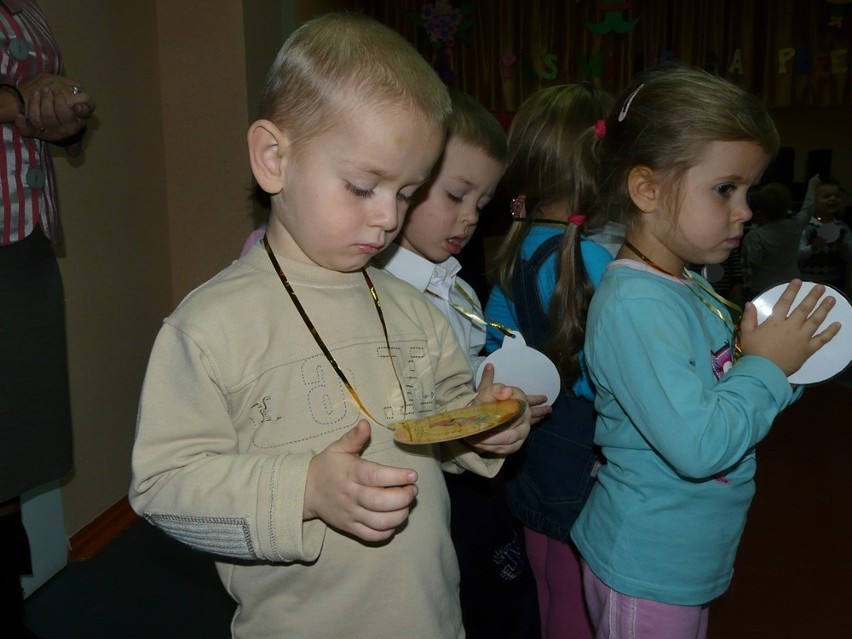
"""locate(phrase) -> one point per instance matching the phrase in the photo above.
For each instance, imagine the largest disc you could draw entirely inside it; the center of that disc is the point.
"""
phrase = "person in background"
(728, 278)
(825, 247)
(265, 434)
(497, 588)
(546, 271)
(683, 397)
(771, 247)
(38, 106)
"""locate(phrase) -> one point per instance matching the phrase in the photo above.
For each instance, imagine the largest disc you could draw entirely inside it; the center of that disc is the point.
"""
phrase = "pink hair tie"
(600, 129)
(577, 219)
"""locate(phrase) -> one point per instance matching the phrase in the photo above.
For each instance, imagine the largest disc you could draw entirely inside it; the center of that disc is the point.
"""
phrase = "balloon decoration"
(444, 24)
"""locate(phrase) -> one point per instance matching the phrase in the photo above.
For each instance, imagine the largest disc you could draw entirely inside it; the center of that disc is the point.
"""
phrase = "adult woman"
(37, 106)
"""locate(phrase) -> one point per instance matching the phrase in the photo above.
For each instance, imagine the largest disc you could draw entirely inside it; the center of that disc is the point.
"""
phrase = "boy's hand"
(789, 341)
(505, 439)
(538, 410)
(359, 497)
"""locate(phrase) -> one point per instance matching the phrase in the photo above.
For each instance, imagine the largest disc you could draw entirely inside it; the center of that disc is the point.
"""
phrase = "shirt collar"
(420, 272)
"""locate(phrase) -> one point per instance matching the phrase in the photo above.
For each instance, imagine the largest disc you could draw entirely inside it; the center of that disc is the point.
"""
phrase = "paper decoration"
(517, 364)
(613, 19)
(837, 10)
(444, 23)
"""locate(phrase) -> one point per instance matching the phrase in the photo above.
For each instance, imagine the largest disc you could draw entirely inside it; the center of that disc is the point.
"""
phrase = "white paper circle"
(829, 231)
(832, 358)
(516, 364)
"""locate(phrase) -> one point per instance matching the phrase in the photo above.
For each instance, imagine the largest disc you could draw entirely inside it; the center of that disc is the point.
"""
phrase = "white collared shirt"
(441, 281)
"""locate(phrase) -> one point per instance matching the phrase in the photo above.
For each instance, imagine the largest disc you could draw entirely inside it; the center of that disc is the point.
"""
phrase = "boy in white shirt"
(444, 216)
(497, 589)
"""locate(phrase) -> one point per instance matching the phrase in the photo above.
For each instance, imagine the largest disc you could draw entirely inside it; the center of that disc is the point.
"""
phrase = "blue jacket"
(549, 480)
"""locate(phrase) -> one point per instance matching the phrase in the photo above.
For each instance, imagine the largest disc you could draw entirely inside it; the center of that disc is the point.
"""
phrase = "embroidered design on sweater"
(259, 412)
(722, 361)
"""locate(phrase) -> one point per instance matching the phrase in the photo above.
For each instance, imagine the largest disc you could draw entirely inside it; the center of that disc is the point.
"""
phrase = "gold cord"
(310, 326)
(473, 317)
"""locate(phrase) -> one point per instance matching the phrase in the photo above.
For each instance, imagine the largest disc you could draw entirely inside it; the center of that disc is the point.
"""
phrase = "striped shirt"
(28, 188)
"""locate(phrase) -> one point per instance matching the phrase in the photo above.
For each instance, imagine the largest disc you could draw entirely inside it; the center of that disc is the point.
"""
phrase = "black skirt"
(35, 411)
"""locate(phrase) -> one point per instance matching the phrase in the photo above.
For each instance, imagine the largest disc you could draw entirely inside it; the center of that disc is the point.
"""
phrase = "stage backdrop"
(793, 53)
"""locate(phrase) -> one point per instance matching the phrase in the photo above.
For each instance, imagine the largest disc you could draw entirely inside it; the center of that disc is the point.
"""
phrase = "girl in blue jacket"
(546, 271)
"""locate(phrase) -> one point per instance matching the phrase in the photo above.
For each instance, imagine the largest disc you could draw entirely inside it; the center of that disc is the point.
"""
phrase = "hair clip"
(578, 219)
(519, 207)
(623, 113)
(600, 129)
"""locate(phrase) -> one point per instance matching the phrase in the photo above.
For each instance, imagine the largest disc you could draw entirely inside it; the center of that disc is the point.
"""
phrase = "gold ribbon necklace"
(483, 321)
(310, 326)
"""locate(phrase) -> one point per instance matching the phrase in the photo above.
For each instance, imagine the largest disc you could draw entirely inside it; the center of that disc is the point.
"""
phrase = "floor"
(142, 585)
(793, 578)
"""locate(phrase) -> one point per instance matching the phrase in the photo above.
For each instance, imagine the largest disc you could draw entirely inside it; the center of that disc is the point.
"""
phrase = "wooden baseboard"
(94, 536)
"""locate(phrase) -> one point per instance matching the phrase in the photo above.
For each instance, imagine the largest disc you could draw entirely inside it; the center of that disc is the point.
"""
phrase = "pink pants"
(617, 616)
(556, 567)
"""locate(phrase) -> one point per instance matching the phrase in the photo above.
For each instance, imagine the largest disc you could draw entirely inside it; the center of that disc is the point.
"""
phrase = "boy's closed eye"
(367, 193)
(357, 191)
(458, 199)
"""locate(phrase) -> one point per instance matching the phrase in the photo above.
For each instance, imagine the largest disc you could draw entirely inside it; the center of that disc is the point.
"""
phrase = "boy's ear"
(268, 150)
(644, 188)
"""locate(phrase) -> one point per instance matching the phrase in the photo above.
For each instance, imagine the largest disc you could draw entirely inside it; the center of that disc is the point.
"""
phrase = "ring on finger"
(76, 89)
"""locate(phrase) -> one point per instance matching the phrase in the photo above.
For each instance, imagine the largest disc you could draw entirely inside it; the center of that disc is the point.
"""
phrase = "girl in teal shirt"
(681, 401)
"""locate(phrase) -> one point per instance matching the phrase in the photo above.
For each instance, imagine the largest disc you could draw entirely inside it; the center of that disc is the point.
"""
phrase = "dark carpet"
(791, 582)
(142, 585)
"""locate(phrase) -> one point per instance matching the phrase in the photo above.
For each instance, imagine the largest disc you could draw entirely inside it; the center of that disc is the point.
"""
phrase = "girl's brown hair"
(665, 121)
(541, 142)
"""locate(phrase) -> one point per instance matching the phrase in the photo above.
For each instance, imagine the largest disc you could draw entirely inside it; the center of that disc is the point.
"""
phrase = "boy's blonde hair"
(471, 123)
(340, 62)
(665, 121)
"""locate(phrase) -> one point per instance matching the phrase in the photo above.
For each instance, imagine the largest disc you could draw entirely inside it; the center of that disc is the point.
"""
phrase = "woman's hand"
(56, 108)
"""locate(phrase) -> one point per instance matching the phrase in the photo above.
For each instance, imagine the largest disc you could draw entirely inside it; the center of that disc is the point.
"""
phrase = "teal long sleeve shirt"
(678, 424)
